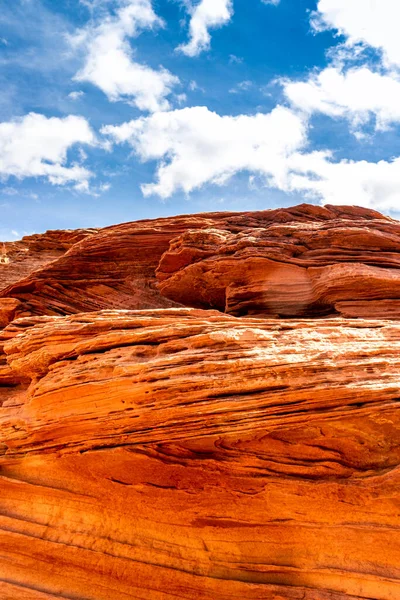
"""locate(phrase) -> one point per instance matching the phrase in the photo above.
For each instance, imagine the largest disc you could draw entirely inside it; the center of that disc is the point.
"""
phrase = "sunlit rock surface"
(169, 452)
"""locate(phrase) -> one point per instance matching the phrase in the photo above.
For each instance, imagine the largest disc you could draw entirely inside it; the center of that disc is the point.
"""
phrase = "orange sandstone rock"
(341, 265)
(163, 453)
(19, 259)
(261, 261)
(168, 452)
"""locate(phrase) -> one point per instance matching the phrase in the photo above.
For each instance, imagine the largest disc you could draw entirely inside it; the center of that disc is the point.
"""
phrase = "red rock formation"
(19, 259)
(346, 264)
(116, 267)
(167, 453)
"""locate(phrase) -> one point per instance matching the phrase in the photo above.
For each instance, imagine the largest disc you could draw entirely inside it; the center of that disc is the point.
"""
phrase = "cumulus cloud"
(109, 60)
(195, 146)
(37, 146)
(359, 93)
(356, 95)
(208, 14)
(368, 22)
(374, 185)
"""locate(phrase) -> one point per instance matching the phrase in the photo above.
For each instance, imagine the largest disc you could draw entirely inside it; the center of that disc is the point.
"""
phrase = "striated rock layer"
(300, 261)
(341, 264)
(182, 453)
(168, 452)
(19, 259)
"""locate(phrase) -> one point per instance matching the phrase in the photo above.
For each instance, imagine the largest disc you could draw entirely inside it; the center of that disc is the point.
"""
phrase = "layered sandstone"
(153, 451)
(156, 454)
(345, 265)
(19, 259)
(116, 267)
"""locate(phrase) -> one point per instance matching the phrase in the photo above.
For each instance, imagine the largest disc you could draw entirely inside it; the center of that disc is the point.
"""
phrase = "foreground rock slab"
(168, 453)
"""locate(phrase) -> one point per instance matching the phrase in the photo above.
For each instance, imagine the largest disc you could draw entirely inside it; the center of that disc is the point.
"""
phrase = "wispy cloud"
(76, 95)
(208, 14)
(109, 63)
(242, 86)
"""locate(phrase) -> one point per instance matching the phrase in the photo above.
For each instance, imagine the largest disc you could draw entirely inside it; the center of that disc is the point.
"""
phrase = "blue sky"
(116, 110)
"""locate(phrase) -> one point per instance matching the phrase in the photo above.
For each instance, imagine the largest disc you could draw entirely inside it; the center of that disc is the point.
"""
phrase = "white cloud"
(37, 146)
(208, 14)
(90, 190)
(371, 22)
(109, 62)
(242, 86)
(181, 98)
(76, 95)
(374, 185)
(359, 93)
(355, 95)
(273, 2)
(194, 87)
(92, 5)
(195, 146)
(235, 60)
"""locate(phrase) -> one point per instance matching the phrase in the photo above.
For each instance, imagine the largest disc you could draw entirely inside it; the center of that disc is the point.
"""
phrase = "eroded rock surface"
(116, 267)
(345, 264)
(151, 454)
(169, 452)
(19, 259)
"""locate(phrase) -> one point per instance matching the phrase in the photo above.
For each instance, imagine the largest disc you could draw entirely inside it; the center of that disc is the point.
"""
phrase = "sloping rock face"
(169, 452)
(156, 454)
(19, 259)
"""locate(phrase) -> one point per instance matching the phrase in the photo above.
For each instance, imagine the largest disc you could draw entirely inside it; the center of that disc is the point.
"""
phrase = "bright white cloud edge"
(206, 15)
(109, 62)
(369, 22)
(37, 146)
(195, 146)
(357, 95)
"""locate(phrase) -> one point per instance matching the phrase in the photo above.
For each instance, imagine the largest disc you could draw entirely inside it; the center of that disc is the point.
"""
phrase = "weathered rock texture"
(167, 453)
(336, 264)
(249, 263)
(19, 259)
